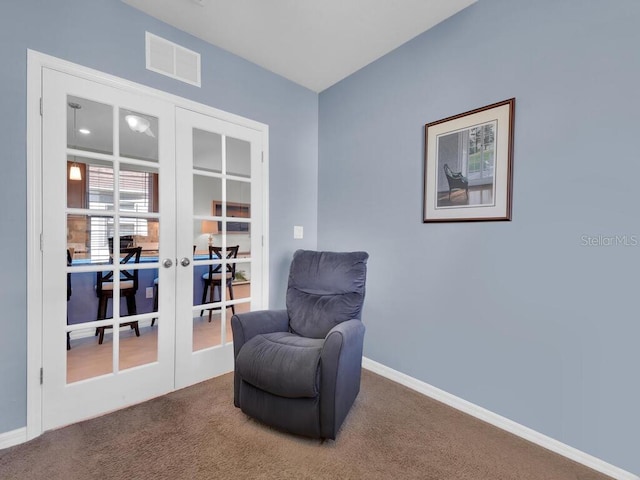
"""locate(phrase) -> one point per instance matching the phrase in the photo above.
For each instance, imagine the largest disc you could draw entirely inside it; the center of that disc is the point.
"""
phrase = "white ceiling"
(314, 43)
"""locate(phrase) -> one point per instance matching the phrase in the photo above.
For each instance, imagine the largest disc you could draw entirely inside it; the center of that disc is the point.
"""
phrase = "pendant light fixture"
(74, 172)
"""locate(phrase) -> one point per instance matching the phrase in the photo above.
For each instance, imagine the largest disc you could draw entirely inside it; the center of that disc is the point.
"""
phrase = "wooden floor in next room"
(87, 359)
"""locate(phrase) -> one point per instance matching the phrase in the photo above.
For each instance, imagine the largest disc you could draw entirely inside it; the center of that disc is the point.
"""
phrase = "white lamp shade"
(75, 173)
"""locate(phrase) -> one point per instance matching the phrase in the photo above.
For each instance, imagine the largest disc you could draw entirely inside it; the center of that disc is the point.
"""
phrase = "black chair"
(69, 262)
(155, 300)
(457, 181)
(126, 241)
(214, 277)
(128, 289)
(299, 369)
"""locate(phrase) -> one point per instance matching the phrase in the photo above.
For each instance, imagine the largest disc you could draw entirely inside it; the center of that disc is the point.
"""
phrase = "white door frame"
(36, 61)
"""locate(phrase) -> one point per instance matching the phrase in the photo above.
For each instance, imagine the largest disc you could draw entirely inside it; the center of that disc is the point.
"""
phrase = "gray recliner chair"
(299, 369)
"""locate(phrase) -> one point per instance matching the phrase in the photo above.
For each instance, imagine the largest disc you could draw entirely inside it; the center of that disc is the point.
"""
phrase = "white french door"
(135, 191)
(85, 129)
(219, 197)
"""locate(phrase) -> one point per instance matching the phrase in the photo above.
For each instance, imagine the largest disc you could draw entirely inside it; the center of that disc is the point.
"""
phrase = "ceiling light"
(84, 131)
(137, 124)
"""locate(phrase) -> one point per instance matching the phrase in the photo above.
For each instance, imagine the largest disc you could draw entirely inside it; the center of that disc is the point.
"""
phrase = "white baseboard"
(14, 437)
(499, 421)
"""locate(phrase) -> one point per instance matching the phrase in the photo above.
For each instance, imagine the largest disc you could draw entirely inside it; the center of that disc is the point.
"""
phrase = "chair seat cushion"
(124, 284)
(215, 276)
(282, 363)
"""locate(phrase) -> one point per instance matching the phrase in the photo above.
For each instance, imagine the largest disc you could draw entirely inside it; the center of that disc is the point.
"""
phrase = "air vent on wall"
(172, 60)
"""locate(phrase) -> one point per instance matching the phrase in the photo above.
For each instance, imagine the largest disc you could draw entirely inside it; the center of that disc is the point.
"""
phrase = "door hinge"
(263, 240)
(41, 243)
(262, 153)
(41, 375)
(40, 106)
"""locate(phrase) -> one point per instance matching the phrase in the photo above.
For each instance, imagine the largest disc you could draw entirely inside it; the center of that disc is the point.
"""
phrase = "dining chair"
(214, 277)
(128, 289)
(126, 241)
(69, 262)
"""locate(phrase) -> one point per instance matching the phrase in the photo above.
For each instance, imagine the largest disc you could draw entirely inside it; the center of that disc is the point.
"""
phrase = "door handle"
(167, 263)
(185, 262)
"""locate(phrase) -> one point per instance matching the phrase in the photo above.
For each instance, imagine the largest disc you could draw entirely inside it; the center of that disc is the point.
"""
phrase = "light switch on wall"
(298, 232)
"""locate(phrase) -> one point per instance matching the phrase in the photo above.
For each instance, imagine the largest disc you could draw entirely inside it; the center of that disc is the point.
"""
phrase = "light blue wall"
(109, 36)
(517, 317)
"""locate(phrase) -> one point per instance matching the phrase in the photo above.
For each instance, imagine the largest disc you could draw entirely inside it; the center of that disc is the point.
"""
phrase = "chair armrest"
(245, 326)
(341, 365)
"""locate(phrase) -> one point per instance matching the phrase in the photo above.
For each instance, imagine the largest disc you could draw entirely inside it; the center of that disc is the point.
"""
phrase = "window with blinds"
(135, 197)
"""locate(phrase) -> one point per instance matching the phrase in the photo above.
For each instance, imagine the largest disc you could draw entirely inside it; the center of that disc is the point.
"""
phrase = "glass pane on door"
(89, 125)
(241, 285)
(208, 333)
(134, 350)
(207, 196)
(87, 238)
(90, 183)
(139, 135)
(139, 189)
(238, 155)
(207, 151)
(84, 359)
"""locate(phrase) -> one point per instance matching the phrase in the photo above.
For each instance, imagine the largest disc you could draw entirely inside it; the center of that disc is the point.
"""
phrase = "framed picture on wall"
(468, 165)
(237, 210)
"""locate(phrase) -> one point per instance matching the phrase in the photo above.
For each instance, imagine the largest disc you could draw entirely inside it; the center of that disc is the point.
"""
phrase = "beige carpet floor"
(197, 433)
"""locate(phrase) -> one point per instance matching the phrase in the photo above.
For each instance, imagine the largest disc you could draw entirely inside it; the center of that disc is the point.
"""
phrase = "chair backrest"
(129, 255)
(447, 171)
(69, 262)
(216, 252)
(325, 289)
(126, 241)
